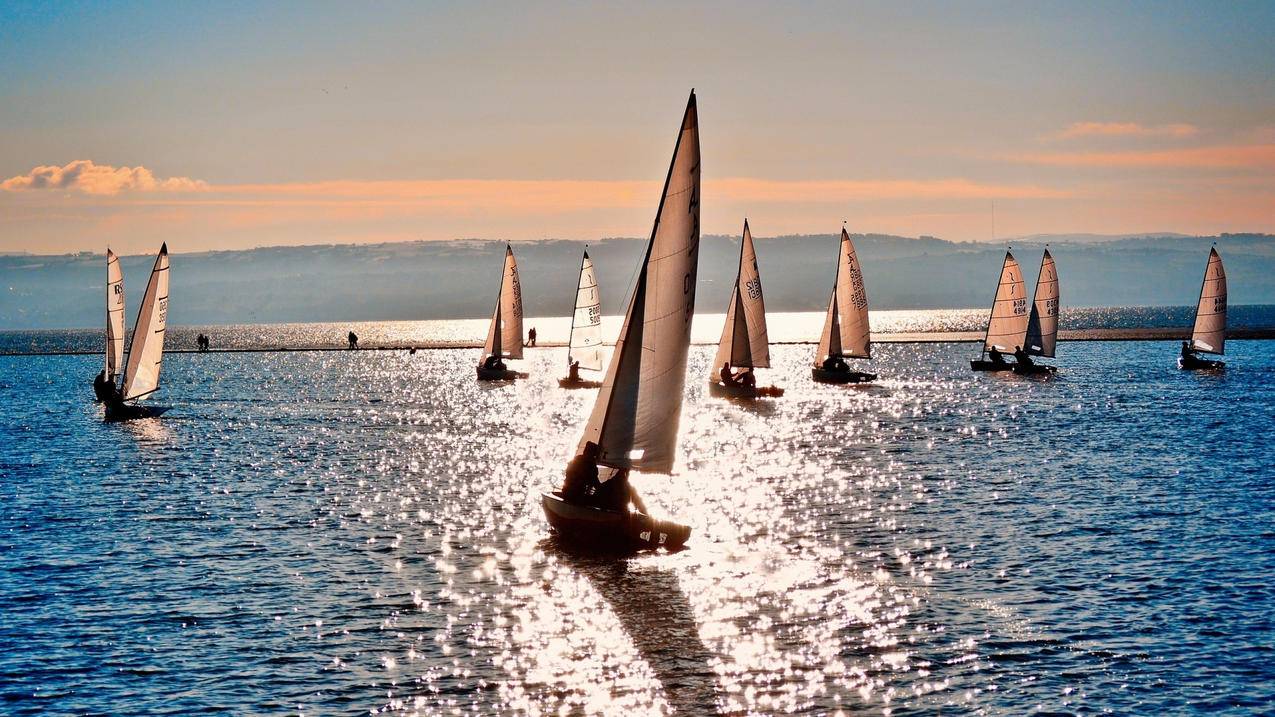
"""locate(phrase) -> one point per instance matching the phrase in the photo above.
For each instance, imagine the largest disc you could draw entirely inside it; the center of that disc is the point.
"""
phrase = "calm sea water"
(359, 533)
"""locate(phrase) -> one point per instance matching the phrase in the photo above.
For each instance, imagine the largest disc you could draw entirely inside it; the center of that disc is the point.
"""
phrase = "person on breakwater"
(353, 339)
(531, 336)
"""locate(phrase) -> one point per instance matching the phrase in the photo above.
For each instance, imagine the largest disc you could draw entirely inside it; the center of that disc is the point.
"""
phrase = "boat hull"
(721, 390)
(823, 376)
(578, 383)
(611, 530)
(487, 374)
(1036, 369)
(985, 365)
(1197, 364)
(132, 411)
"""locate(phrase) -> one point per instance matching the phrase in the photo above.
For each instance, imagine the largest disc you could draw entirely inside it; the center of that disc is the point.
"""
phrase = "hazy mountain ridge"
(434, 280)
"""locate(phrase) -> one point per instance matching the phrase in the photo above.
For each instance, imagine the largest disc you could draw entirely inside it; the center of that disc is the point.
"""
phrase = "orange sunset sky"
(219, 126)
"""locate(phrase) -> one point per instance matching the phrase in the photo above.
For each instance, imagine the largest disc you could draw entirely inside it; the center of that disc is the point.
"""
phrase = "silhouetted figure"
(580, 481)
(102, 386)
(493, 363)
(573, 371)
(531, 336)
(746, 378)
(835, 363)
(354, 340)
(725, 374)
(412, 351)
(1022, 358)
(996, 356)
(1188, 351)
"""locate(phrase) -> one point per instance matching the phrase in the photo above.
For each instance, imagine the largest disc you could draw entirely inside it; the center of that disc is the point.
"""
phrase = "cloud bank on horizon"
(444, 123)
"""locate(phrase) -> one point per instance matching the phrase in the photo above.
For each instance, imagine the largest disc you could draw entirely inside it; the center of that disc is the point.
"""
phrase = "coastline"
(936, 337)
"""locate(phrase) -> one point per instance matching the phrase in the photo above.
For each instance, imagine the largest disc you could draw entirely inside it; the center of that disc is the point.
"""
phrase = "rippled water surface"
(353, 533)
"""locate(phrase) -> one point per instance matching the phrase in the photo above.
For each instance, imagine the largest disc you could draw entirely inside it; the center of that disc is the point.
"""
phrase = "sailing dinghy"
(504, 336)
(584, 348)
(146, 350)
(634, 421)
(1042, 324)
(1209, 333)
(744, 344)
(845, 329)
(1007, 326)
(104, 384)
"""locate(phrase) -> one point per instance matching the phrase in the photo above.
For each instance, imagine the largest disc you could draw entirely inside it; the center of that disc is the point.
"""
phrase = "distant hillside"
(430, 280)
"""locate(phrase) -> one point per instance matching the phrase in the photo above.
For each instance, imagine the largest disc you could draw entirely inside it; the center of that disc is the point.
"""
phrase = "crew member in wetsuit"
(1188, 352)
(835, 363)
(996, 357)
(746, 378)
(1022, 358)
(102, 386)
(493, 363)
(617, 494)
(573, 371)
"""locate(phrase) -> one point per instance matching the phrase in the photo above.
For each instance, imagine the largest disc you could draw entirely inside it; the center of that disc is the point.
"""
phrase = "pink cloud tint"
(83, 175)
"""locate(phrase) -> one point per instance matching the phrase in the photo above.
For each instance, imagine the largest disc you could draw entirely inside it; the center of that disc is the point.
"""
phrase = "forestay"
(846, 333)
(114, 316)
(504, 336)
(635, 419)
(1209, 333)
(744, 342)
(1042, 325)
(146, 351)
(1007, 328)
(585, 345)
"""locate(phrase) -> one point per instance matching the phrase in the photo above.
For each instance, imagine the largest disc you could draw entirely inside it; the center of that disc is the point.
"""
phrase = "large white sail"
(504, 336)
(114, 316)
(1007, 327)
(845, 330)
(1209, 333)
(585, 345)
(146, 351)
(744, 342)
(634, 421)
(1042, 325)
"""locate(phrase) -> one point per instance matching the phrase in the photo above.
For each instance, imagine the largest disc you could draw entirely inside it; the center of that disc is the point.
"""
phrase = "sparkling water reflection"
(319, 533)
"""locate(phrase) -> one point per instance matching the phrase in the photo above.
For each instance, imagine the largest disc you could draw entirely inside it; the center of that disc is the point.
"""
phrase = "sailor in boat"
(493, 363)
(103, 387)
(573, 372)
(1188, 352)
(837, 364)
(581, 486)
(746, 378)
(1022, 358)
(997, 357)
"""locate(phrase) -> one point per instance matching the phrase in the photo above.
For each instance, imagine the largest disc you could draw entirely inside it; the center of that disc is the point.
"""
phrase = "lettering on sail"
(754, 289)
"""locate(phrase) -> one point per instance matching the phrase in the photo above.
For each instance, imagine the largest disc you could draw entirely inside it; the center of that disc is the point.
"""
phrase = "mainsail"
(504, 337)
(1042, 325)
(1209, 333)
(744, 343)
(114, 316)
(845, 329)
(585, 344)
(1008, 325)
(634, 421)
(146, 351)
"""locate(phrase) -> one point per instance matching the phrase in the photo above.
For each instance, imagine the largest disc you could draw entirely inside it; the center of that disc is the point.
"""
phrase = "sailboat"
(504, 336)
(104, 384)
(584, 348)
(1007, 327)
(1209, 333)
(845, 329)
(633, 425)
(146, 350)
(744, 344)
(1042, 324)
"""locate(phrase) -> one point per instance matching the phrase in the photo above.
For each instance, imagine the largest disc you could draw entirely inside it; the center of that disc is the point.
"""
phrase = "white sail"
(1209, 333)
(1042, 325)
(744, 342)
(1007, 327)
(585, 345)
(504, 336)
(146, 351)
(634, 421)
(114, 316)
(845, 330)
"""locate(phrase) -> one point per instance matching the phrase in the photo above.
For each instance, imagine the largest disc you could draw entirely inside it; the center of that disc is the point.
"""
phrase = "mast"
(1042, 325)
(114, 316)
(146, 351)
(575, 309)
(634, 421)
(1209, 332)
